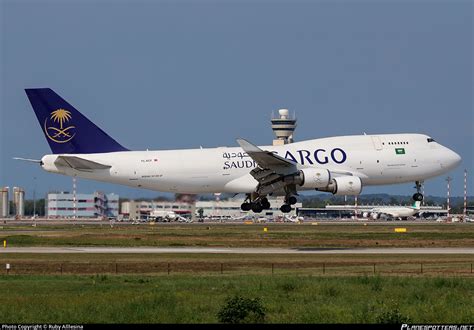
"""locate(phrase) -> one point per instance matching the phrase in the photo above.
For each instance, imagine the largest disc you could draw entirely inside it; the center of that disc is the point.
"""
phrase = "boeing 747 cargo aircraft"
(340, 165)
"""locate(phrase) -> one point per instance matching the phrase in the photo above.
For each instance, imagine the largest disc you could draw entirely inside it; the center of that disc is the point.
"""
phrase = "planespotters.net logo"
(437, 327)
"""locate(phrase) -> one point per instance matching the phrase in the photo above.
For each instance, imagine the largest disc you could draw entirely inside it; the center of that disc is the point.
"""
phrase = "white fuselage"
(396, 212)
(373, 158)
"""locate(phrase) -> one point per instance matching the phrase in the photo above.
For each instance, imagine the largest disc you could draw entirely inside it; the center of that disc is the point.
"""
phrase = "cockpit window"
(430, 140)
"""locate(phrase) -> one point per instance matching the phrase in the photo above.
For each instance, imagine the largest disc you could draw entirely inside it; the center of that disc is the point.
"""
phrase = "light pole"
(423, 193)
(217, 213)
(34, 197)
(355, 209)
(464, 212)
(448, 179)
(74, 208)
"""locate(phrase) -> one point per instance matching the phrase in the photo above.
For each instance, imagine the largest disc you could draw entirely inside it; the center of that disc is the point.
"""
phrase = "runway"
(223, 250)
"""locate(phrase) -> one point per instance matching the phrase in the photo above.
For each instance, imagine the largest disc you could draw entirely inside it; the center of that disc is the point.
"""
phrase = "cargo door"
(377, 143)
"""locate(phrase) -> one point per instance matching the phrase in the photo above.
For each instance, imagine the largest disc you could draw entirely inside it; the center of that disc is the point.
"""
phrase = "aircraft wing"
(271, 168)
(265, 159)
(275, 173)
(80, 164)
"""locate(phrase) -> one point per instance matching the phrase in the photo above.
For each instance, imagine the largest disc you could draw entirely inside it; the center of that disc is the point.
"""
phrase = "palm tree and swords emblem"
(59, 134)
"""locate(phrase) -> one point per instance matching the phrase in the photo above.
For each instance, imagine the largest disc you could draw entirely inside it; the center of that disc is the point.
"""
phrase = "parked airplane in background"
(293, 218)
(397, 212)
(341, 165)
(167, 216)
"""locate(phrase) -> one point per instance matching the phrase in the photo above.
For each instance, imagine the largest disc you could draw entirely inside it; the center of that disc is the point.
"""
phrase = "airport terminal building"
(95, 205)
(231, 208)
(212, 209)
(136, 210)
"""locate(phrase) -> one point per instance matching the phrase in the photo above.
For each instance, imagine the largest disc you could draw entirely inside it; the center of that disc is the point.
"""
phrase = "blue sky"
(180, 74)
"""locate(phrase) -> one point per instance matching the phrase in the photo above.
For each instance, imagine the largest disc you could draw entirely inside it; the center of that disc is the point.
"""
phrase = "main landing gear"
(418, 196)
(289, 200)
(256, 206)
(259, 204)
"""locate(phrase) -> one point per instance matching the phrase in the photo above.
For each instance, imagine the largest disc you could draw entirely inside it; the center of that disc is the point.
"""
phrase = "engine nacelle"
(313, 178)
(344, 185)
(347, 185)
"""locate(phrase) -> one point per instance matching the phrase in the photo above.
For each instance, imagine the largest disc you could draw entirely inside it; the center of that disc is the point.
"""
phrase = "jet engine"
(344, 185)
(314, 178)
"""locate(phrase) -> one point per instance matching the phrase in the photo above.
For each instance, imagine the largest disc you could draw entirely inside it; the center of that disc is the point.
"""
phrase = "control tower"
(283, 127)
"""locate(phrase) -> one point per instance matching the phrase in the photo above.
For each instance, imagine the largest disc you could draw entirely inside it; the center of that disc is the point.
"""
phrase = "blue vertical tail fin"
(66, 129)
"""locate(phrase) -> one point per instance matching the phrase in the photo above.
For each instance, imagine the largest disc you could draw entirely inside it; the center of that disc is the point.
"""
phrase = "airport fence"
(241, 268)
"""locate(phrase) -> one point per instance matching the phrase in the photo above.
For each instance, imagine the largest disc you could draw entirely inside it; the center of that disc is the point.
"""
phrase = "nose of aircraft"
(452, 159)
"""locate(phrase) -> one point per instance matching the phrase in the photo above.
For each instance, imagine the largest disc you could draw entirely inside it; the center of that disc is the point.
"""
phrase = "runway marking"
(224, 250)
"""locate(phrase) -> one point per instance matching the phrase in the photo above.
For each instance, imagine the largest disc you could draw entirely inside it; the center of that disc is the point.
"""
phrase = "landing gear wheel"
(292, 200)
(285, 208)
(417, 197)
(265, 203)
(246, 206)
(257, 207)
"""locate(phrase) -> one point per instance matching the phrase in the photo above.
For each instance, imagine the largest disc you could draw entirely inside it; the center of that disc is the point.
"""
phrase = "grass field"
(197, 299)
(239, 264)
(231, 235)
(192, 288)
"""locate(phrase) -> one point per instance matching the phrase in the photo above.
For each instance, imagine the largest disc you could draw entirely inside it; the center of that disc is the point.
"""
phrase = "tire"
(266, 204)
(246, 206)
(285, 208)
(417, 197)
(292, 200)
(257, 208)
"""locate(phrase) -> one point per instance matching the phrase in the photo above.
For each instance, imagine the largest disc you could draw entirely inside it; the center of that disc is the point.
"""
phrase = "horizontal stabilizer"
(80, 164)
(28, 160)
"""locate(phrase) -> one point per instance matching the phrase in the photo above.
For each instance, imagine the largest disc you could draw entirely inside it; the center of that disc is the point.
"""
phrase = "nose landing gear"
(418, 196)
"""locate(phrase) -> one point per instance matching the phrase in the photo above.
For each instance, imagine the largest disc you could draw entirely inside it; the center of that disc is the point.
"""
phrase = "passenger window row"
(394, 143)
